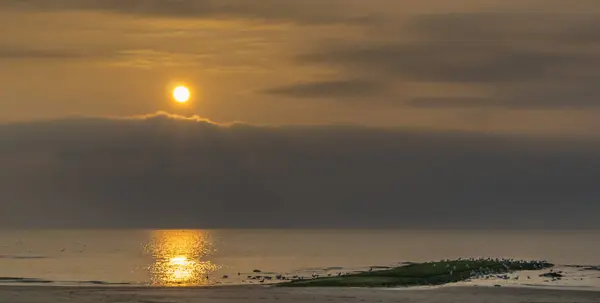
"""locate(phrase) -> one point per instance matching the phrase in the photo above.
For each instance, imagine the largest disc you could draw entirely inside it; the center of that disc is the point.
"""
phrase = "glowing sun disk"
(181, 94)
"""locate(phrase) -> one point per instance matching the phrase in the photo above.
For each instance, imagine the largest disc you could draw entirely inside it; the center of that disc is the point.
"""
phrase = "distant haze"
(166, 171)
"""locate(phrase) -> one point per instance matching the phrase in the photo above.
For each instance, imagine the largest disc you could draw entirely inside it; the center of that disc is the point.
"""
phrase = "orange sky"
(486, 65)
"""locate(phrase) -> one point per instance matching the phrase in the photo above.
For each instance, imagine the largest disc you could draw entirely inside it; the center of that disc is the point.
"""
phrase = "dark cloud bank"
(165, 172)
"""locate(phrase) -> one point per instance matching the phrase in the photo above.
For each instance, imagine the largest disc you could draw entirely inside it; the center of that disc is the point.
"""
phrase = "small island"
(419, 274)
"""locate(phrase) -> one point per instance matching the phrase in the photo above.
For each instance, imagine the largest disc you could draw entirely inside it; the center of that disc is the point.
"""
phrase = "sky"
(425, 113)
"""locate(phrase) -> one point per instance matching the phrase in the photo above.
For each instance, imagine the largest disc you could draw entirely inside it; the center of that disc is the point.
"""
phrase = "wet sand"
(256, 294)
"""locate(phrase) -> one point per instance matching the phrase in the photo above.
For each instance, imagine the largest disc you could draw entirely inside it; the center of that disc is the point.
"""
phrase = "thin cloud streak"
(327, 89)
(296, 11)
(18, 53)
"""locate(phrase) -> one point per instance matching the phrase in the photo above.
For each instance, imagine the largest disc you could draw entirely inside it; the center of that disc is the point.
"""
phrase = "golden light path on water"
(179, 257)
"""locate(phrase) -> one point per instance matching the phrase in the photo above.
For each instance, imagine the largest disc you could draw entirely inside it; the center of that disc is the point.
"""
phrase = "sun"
(181, 94)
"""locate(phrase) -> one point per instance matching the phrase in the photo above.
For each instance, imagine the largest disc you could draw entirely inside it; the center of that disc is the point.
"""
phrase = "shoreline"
(265, 294)
(447, 287)
(273, 286)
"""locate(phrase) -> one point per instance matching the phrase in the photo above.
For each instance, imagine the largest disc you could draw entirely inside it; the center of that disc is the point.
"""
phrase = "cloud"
(328, 89)
(130, 58)
(451, 102)
(528, 60)
(298, 11)
(443, 62)
(150, 58)
(167, 171)
(17, 53)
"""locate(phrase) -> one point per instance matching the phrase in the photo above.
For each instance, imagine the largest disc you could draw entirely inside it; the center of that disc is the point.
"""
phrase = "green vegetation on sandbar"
(429, 273)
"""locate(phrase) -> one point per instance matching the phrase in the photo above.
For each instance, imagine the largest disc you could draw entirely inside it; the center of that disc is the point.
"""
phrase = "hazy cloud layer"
(166, 172)
(528, 60)
(515, 55)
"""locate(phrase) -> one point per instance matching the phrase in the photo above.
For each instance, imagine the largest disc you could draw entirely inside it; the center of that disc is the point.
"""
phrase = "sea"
(226, 257)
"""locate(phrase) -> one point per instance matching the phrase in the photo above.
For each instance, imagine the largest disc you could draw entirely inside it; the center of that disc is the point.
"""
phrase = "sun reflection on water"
(179, 257)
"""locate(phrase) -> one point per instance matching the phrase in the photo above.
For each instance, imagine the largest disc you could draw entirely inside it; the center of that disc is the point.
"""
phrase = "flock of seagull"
(475, 273)
(278, 277)
(488, 273)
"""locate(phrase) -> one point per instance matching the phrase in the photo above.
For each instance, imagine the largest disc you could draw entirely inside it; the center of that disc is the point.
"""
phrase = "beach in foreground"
(251, 294)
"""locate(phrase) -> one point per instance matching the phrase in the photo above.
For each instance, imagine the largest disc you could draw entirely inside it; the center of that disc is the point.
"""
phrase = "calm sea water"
(204, 257)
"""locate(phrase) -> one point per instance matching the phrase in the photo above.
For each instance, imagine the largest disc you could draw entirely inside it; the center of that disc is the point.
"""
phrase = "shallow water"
(203, 257)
